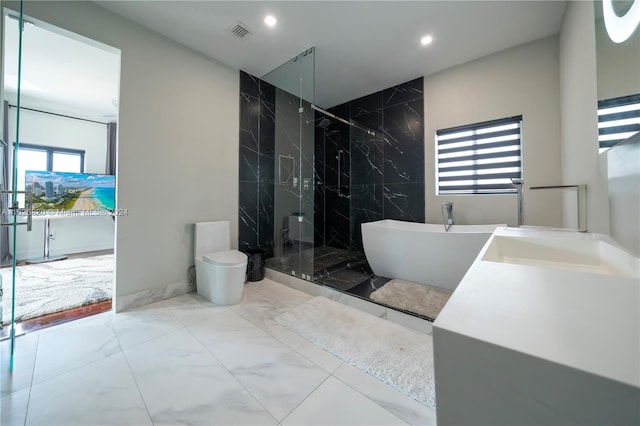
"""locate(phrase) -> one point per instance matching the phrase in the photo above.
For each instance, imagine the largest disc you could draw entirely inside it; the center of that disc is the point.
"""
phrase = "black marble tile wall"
(337, 218)
(403, 92)
(404, 143)
(257, 147)
(404, 201)
(358, 177)
(384, 177)
(248, 212)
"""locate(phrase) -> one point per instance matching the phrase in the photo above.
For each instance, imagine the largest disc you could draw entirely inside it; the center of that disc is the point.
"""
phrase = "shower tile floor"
(341, 269)
(187, 361)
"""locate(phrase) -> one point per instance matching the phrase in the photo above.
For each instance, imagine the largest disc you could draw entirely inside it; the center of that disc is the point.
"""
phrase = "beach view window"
(64, 162)
(45, 158)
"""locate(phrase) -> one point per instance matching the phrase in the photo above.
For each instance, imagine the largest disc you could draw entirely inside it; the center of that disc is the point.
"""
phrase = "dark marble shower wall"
(381, 176)
(257, 147)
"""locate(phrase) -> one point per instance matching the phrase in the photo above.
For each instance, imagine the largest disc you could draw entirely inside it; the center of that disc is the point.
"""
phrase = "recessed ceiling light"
(270, 20)
(426, 40)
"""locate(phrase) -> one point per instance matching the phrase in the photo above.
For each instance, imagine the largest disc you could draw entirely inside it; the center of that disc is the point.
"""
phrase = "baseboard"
(34, 254)
(144, 297)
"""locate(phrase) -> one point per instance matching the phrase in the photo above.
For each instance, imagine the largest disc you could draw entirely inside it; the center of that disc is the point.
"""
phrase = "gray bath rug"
(419, 298)
(395, 355)
(45, 288)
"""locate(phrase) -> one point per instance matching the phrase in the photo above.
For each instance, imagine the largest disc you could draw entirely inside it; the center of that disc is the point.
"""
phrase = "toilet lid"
(230, 257)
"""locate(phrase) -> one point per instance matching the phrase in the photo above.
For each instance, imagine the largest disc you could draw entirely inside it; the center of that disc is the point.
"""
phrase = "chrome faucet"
(518, 185)
(448, 207)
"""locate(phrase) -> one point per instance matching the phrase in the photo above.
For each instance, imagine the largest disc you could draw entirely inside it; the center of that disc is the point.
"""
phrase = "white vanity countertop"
(583, 320)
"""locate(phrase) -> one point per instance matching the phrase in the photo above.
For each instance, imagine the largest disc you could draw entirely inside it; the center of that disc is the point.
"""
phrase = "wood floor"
(56, 318)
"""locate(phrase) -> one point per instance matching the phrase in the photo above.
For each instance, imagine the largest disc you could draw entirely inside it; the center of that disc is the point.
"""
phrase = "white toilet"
(220, 271)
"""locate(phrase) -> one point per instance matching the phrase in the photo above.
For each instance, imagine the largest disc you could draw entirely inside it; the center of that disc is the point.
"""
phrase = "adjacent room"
(68, 107)
(322, 212)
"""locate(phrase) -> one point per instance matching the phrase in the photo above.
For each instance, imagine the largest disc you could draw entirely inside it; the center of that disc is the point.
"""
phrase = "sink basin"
(581, 255)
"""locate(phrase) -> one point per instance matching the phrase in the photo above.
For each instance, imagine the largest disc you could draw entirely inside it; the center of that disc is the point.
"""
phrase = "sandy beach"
(85, 202)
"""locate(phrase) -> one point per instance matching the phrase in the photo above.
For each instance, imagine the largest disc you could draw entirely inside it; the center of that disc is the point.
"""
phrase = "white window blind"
(479, 158)
(618, 119)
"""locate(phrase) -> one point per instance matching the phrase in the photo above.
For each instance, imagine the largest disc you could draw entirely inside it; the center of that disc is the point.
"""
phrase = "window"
(618, 119)
(45, 158)
(479, 158)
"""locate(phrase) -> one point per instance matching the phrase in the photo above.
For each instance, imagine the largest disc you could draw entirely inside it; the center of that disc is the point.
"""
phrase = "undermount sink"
(581, 255)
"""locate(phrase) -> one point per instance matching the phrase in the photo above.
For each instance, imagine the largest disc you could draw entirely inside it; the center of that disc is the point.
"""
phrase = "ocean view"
(106, 197)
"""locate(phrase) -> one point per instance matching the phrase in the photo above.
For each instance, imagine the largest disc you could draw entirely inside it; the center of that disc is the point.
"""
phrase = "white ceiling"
(61, 73)
(361, 46)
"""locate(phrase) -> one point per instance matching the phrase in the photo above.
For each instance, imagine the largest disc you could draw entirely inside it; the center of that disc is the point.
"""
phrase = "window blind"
(618, 119)
(479, 158)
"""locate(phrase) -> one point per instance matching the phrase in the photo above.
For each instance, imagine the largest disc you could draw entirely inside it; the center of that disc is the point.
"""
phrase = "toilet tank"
(211, 237)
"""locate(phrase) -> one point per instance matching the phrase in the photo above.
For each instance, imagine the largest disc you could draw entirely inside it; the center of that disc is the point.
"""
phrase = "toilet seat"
(225, 258)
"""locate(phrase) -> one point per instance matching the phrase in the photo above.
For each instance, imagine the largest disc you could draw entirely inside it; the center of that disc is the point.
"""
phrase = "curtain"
(111, 148)
(5, 254)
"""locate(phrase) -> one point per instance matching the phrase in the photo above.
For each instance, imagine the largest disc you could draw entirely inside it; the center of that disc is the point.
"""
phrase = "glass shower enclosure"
(293, 165)
(319, 200)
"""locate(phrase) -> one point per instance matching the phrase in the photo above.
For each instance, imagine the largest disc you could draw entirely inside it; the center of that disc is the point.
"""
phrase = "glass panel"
(293, 192)
(67, 162)
(13, 82)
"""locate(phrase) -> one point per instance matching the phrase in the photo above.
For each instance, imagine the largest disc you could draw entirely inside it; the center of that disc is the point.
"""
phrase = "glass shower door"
(294, 161)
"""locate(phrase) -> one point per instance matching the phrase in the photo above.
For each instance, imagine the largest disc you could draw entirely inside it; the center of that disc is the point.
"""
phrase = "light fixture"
(426, 40)
(270, 20)
(620, 28)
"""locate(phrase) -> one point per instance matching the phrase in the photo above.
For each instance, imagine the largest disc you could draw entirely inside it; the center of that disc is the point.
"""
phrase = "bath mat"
(45, 288)
(419, 298)
(395, 355)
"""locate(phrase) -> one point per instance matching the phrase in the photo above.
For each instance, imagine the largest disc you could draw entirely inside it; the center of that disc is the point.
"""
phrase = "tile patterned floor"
(187, 361)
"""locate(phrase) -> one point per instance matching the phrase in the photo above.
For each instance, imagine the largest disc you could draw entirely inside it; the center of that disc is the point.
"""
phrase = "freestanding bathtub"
(421, 252)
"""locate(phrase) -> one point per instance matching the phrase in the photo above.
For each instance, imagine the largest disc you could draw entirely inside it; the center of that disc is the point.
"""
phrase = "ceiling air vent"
(240, 30)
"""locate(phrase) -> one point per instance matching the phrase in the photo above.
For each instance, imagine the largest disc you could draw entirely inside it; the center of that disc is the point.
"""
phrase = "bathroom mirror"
(618, 74)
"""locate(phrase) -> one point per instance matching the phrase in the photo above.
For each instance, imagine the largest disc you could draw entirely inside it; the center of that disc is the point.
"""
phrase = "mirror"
(618, 70)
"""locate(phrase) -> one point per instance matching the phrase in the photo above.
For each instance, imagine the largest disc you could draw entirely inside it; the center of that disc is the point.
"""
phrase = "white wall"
(521, 80)
(618, 64)
(581, 163)
(177, 155)
(624, 193)
(72, 234)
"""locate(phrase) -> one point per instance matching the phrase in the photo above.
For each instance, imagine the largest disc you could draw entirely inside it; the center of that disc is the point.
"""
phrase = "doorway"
(59, 109)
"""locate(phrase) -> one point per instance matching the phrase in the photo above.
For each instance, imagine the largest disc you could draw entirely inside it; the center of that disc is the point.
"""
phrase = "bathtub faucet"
(518, 185)
(448, 208)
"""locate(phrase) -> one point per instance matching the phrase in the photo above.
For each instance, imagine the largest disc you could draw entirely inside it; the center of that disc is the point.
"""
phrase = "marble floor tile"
(17, 376)
(135, 327)
(261, 309)
(185, 360)
(335, 403)
(185, 300)
(182, 383)
(13, 408)
(323, 359)
(402, 406)
(195, 312)
(71, 347)
(276, 375)
(101, 393)
(284, 293)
